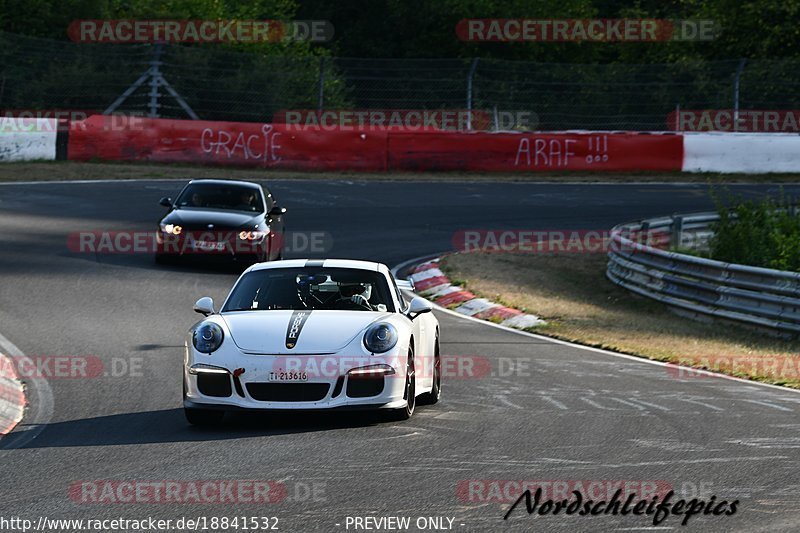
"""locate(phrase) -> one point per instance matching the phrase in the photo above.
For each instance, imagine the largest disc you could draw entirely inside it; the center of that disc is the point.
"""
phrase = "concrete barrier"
(28, 139)
(741, 152)
(372, 149)
(393, 149)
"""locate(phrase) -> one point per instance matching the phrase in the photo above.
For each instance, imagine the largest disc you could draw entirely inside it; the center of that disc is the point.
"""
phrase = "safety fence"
(217, 83)
(641, 261)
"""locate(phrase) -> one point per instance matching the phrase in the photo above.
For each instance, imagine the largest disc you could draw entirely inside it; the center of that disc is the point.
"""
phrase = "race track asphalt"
(547, 411)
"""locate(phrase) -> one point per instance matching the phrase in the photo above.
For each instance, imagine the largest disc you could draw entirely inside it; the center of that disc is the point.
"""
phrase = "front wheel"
(404, 413)
(433, 396)
(203, 417)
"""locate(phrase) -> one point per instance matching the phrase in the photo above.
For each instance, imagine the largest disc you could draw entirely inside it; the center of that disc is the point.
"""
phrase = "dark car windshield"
(217, 196)
(311, 288)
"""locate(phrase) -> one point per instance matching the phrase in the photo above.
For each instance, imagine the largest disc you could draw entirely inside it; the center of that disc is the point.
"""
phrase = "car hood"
(201, 218)
(310, 332)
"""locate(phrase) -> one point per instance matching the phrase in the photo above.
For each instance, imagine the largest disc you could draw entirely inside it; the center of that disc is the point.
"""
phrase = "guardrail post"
(644, 228)
(321, 98)
(470, 76)
(736, 83)
(155, 74)
(677, 231)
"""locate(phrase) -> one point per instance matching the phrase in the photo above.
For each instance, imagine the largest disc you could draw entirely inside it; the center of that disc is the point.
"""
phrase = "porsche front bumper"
(305, 382)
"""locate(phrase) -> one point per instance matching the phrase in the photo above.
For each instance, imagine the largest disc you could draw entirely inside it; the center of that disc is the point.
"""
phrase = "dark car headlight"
(207, 337)
(172, 229)
(380, 338)
(253, 235)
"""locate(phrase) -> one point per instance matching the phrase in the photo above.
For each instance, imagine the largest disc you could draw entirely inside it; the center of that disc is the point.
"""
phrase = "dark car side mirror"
(166, 201)
(277, 211)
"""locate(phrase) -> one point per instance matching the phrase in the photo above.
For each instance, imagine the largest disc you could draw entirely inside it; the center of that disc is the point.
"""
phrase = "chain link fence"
(221, 84)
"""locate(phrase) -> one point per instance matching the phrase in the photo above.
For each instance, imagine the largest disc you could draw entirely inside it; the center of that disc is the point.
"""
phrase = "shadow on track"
(197, 265)
(170, 425)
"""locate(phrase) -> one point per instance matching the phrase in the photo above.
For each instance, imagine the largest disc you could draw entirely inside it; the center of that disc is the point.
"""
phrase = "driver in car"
(247, 201)
(357, 293)
(196, 200)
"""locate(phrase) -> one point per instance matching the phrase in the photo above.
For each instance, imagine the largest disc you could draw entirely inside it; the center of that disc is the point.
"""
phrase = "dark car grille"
(288, 392)
(198, 229)
(217, 385)
(364, 387)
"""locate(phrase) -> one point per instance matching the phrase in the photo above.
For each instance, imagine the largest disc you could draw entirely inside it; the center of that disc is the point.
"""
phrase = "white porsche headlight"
(380, 338)
(207, 337)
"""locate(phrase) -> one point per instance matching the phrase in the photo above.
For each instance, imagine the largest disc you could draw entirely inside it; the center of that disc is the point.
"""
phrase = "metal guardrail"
(640, 261)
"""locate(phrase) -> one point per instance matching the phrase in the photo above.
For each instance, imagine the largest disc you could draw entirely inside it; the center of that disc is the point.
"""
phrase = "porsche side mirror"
(418, 306)
(204, 306)
(277, 211)
(166, 201)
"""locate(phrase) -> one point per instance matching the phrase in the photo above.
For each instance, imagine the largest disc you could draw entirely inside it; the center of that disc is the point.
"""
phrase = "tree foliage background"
(755, 29)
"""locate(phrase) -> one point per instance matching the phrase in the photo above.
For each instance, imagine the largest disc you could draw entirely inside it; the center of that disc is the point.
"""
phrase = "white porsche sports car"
(312, 334)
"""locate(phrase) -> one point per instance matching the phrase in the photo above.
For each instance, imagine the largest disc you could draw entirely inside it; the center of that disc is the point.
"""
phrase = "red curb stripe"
(425, 266)
(425, 284)
(455, 298)
(502, 313)
(12, 395)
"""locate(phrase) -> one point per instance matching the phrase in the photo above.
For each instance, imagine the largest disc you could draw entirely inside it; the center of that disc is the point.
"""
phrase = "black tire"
(404, 413)
(432, 397)
(203, 417)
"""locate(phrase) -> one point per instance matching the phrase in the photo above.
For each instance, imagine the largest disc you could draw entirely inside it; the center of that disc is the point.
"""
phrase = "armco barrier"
(759, 297)
(371, 149)
(27, 139)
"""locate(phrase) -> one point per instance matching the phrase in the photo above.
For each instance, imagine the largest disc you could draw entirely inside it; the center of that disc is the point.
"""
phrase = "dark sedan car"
(221, 218)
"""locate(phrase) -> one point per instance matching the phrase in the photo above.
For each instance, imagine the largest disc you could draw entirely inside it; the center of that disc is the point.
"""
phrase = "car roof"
(322, 263)
(227, 182)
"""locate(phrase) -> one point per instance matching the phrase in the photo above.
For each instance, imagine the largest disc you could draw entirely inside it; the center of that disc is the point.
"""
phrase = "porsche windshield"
(347, 289)
(228, 197)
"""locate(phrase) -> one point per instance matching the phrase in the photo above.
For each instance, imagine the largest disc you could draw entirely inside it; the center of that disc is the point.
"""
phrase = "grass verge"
(72, 170)
(571, 292)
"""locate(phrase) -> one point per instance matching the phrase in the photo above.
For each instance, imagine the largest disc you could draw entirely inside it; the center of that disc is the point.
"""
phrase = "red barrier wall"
(227, 144)
(535, 151)
(285, 146)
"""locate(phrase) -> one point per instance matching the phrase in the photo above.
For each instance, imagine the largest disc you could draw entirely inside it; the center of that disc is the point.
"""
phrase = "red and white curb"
(12, 397)
(432, 283)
